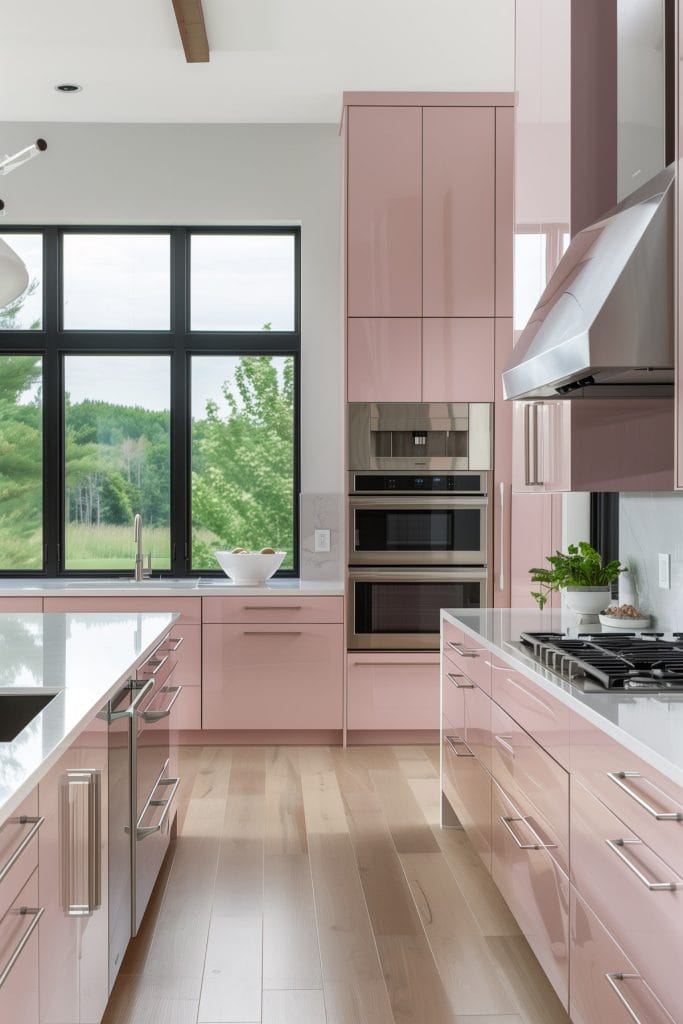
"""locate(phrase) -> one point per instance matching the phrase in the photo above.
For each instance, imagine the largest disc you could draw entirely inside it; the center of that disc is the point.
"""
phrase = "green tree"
(21, 459)
(243, 464)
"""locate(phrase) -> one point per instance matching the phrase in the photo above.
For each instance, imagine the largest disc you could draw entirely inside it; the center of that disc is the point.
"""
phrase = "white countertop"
(649, 726)
(84, 659)
(208, 586)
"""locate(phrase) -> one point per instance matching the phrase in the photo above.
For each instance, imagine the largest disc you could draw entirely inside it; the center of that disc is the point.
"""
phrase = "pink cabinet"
(466, 784)
(501, 497)
(384, 211)
(19, 929)
(21, 604)
(466, 655)
(458, 359)
(272, 609)
(539, 713)
(392, 691)
(384, 359)
(605, 986)
(534, 887)
(459, 211)
(531, 525)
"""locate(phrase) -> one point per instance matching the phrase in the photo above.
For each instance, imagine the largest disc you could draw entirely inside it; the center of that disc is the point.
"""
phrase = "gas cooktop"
(627, 662)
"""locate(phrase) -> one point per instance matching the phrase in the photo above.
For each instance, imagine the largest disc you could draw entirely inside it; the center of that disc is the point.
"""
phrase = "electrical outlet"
(665, 572)
(322, 540)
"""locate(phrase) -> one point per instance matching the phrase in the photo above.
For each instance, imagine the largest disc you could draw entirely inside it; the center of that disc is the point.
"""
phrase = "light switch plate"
(322, 540)
(665, 571)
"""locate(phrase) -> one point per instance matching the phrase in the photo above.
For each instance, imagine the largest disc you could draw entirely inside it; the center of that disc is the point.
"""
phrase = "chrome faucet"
(141, 572)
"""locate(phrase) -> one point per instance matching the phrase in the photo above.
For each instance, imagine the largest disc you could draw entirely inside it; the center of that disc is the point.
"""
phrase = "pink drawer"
(189, 608)
(535, 889)
(603, 982)
(260, 677)
(392, 691)
(645, 800)
(478, 724)
(187, 710)
(454, 685)
(189, 654)
(273, 609)
(545, 718)
(21, 604)
(467, 656)
(614, 871)
(467, 787)
(19, 993)
(535, 783)
(17, 835)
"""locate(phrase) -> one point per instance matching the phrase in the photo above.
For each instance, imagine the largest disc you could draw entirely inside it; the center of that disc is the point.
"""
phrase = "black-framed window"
(152, 370)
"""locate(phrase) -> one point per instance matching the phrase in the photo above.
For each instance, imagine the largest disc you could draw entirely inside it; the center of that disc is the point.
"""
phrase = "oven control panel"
(414, 483)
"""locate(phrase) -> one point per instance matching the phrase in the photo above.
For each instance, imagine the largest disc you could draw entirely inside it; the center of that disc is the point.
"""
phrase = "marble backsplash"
(321, 512)
(649, 524)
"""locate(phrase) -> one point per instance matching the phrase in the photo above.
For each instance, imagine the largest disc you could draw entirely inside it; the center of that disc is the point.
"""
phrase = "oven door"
(399, 609)
(417, 531)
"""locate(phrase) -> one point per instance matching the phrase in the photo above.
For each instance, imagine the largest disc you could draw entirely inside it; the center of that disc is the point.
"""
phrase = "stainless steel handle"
(175, 640)
(453, 741)
(272, 607)
(460, 686)
(405, 664)
(507, 820)
(616, 846)
(612, 980)
(80, 802)
(619, 777)
(142, 831)
(271, 632)
(501, 575)
(36, 913)
(462, 652)
(114, 716)
(531, 445)
(505, 743)
(153, 665)
(156, 716)
(35, 824)
(527, 436)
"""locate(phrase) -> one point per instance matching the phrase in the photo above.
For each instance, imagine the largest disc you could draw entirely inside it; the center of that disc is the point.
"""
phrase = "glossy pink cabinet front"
(384, 211)
(544, 717)
(384, 361)
(392, 691)
(19, 1002)
(459, 211)
(467, 787)
(603, 979)
(283, 676)
(457, 359)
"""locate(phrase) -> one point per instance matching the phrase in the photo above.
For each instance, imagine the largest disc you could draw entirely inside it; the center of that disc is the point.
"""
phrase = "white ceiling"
(272, 61)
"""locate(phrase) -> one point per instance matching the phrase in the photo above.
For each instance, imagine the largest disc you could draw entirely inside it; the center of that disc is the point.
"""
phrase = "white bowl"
(249, 568)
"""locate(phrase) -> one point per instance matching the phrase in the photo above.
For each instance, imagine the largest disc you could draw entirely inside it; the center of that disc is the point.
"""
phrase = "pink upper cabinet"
(384, 359)
(459, 211)
(505, 145)
(384, 211)
(458, 359)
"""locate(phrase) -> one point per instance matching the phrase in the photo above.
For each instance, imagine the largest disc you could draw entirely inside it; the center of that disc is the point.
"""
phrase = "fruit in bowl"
(250, 568)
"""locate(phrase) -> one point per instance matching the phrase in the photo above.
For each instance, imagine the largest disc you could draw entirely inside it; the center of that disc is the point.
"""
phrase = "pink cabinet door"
(459, 211)
(272, 609)
(534, 887)
(603, 982)
(505, 130)
(384, 211)
(478, 724)
(543, 717)
(457, 359)
(19, 993)
(22, 826)
(392, 691)
(501, 496)
(272, 677)
(531, 542)
(467, 786)
(384, 360)
(467, 655)
(21, 604)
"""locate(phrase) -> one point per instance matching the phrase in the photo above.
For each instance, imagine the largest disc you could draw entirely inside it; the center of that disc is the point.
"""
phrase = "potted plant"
(581, 575)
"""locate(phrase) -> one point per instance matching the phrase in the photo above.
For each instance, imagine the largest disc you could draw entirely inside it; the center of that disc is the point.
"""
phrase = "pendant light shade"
(13, 275)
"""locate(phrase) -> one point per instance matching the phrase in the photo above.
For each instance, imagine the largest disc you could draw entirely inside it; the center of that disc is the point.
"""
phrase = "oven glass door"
(400, 613)
(418, 533)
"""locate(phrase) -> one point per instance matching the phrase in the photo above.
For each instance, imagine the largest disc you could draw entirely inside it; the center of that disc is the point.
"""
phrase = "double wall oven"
(418, 520)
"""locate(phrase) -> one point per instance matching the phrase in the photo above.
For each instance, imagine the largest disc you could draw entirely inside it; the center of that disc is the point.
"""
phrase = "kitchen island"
(574, 802)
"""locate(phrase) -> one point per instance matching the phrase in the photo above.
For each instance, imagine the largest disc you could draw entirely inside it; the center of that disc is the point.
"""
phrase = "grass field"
(112, 547)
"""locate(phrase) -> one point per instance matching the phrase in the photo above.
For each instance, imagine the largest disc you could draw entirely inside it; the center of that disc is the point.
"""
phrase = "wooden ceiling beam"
(190, 18)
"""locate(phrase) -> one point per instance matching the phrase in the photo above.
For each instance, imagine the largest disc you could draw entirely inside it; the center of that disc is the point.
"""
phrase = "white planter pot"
(586, 600)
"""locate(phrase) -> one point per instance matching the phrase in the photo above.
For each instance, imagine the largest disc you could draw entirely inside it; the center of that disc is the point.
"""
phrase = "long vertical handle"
(527, 441)
(80, 799)
(501, 575)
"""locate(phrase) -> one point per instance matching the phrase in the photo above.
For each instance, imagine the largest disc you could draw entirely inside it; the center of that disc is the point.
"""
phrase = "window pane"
(21, 463)
(242, 455)
(117, 282)
(530, 275)
(26, 312)
(117, 430)
(242, 282)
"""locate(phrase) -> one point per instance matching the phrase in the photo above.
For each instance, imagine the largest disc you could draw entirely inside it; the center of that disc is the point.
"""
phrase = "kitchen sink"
(18, 709)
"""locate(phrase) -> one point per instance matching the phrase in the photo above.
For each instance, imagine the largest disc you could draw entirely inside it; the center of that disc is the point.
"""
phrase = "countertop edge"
(64, 588)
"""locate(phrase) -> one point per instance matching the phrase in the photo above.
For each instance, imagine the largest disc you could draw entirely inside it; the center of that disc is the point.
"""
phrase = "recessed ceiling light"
(69, 87)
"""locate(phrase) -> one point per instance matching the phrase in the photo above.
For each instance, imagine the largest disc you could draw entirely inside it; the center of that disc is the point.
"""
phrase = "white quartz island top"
(83, 659)
(204, 586)
(649, 726)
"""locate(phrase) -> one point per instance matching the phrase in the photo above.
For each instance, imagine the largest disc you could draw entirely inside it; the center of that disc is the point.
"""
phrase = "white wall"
(650, 524)
(211, 174)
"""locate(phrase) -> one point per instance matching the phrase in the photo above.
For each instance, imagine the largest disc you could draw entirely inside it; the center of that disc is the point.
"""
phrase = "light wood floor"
(314, 884)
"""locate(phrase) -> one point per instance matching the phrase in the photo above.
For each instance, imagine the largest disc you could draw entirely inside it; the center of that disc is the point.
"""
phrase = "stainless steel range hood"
(604, 324)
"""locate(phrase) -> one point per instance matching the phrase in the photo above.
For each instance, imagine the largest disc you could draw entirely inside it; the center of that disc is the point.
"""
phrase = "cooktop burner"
(637, 663)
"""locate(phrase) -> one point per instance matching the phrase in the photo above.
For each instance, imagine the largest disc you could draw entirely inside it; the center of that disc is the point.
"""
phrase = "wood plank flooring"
(313, 885)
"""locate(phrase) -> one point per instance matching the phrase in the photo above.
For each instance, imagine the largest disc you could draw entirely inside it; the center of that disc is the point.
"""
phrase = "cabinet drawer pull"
(460, 686)
(454, 742)
(619, 777)
(35, 824)
(612, 980)
(176, 641)
(156, 716)
(153, 664)
(271, 632)
(34, 912)
(142, 831)
(461, 651)
(272, 607)
(133, 684)
(506, 743)
(80, 801)
(616, 846)
(405, 664)
(507, 820)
